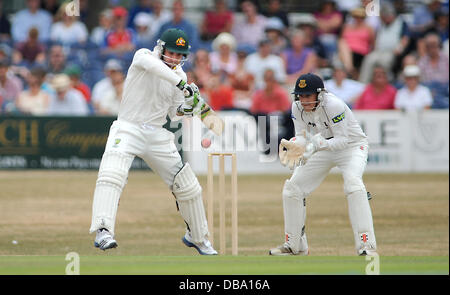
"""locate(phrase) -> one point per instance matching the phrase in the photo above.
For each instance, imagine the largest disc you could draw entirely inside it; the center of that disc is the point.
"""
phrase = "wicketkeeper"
(326, 135)
(155, 87)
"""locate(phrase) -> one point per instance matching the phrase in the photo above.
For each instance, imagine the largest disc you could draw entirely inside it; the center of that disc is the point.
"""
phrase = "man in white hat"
(413, 96)
(67, 101)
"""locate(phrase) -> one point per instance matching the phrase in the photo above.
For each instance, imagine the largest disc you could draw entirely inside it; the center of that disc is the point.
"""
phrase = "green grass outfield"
(223, 265)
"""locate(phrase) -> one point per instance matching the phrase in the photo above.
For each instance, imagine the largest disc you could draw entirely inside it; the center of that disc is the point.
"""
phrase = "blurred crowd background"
(71, 58)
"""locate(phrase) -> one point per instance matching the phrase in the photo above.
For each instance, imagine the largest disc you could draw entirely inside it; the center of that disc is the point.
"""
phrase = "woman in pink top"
(329, 22)
(379, 94)
(356, 41)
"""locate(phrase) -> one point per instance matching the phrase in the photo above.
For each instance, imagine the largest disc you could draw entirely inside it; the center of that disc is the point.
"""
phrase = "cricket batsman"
(155, 87)
(326, 135)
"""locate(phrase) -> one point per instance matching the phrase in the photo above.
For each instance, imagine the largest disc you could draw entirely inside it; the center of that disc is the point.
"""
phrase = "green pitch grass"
(46, 214)
(223, 265)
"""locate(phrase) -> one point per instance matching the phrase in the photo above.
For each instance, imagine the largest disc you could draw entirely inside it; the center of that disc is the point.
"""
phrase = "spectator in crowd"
(201, 71)
(413, 96)
(275, 33)
(159, 16)
(105, 20)
(242, 81)
(216, 21)
(144, 33)
(308, 24)
(10, 85)
(275, 9)
(73, 71)
(32, 16)
(219, 92)
(52, 7)
(249, 30)
(257, 62)
(434, 65)
(298, 59)
(120, 40)
(410, 59)
(67, 101)
(30, 51)
(424, 17)
(223, 58)
(5, 25)
(343, 87)
(68, 30)
(110, 101)
(271, 101)
(391, 41)
(357, 40)
(180, 22)
(35, 100)
(141, 6)
(329, 22)
(272, 98)
(56, 60)
(441, 27)
(105, 84)
(379, 94)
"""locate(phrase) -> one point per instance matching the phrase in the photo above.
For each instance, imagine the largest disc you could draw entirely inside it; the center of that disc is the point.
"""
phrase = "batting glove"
(186, 88)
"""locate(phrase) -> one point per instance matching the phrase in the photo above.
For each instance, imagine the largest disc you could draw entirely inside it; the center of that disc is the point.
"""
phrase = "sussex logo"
(180, 42)
(339, 118)
(302, 84)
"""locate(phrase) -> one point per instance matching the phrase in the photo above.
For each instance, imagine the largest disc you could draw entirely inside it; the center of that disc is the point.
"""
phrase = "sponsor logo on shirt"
(339, 118)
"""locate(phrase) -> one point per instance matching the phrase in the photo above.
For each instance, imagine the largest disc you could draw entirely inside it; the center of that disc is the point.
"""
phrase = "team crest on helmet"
(180, 42)
(302, 84)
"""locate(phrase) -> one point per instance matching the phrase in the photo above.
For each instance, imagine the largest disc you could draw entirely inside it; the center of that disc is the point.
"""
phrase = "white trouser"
(352, 162)
(125, 141)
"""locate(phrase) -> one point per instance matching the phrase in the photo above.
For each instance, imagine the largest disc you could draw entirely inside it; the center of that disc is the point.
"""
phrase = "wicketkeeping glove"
(291, 151)
(316, 143)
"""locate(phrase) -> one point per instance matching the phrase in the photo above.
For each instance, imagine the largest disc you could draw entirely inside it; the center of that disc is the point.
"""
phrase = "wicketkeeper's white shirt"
(333, 119)
(149, 92)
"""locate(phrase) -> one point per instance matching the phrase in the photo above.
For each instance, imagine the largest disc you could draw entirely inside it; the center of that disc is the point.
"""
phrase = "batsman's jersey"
(149, 91)
(333, 119)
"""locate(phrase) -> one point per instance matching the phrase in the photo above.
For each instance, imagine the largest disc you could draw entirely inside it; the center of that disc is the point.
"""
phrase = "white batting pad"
(361, 219)
(188, 193)
(294, 206)
(112, 177)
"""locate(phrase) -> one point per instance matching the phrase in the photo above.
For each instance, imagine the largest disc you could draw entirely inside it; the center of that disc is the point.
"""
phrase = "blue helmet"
(308, 84)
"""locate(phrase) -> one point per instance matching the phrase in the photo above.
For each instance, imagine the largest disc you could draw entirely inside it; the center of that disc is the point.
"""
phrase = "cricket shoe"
(367, 251)
(204, 248)
(285, 250)
(104, 240)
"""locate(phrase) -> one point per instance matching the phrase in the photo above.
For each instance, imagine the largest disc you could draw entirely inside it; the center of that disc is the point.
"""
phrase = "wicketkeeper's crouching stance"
(155, 87)
(327, 135)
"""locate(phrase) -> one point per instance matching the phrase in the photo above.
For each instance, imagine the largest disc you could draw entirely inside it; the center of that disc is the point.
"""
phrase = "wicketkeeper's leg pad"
(294, 206)
(188, 194)
(112, 177)
(361, 220)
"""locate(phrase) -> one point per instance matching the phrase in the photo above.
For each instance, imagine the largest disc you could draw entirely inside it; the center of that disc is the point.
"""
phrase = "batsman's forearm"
(156, 66)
